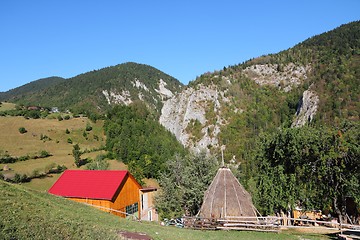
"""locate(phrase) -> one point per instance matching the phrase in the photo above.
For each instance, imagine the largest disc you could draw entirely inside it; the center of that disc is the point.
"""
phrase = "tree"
(313, 168)
(88, 127)
(77, 155)
(22, 130)
(137, 139)
(99, 163)
(183, 184)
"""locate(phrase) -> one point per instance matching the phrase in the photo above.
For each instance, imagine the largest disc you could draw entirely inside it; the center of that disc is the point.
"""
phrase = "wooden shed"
(110, 190)
(148, 210)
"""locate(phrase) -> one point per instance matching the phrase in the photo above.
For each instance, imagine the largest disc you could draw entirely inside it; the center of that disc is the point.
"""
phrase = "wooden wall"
(127, 194)
(97, 202)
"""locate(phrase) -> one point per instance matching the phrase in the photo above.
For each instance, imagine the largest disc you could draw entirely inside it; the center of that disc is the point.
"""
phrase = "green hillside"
(331, 63)
(95, 91)
(30, 88)
(28, 214)
(263, 96)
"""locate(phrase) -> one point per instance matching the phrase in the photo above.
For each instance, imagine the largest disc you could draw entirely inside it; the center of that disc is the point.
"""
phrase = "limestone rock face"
(307, 109)
(284, 77)
(193, 116)
(139, 91)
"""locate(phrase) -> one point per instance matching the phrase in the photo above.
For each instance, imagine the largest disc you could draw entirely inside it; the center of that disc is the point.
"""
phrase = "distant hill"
(97, 90)
(30, 88)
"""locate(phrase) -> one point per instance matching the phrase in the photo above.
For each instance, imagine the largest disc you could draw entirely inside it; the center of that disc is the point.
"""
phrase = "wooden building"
(112, 191)
(148, 211)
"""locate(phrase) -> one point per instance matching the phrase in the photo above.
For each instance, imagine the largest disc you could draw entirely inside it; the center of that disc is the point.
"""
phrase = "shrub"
(67, 117)
(7, 159)
(67, 131)
(44, 154)
(60, 118)
(22, 130)
(96, 138)
(24, 158)
(21, 178)
(88, 127)
(44, 137)
(69, 140)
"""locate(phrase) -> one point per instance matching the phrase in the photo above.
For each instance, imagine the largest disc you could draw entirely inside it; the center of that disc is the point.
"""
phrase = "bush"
(21, 178)
(44, 154)
(24, 158)
(22, 130)
(88, 127)
(60, 118)
(67, 117)
(44, 138)
(69, 140)
(67, 131)
(7, 159)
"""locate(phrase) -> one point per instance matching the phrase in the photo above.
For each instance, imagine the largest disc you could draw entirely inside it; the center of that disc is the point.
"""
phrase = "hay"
(226, 198)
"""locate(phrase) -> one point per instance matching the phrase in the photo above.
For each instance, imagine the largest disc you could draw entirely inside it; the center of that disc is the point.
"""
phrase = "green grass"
(4, 106)
(29, 214)
(30, 143)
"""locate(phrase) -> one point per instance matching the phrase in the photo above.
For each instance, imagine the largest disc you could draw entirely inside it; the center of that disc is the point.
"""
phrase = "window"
(131, 209)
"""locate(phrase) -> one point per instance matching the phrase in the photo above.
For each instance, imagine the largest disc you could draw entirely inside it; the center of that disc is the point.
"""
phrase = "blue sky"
(182, 38)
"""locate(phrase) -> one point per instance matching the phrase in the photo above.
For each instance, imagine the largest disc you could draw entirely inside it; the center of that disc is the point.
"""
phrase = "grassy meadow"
(49, 135)
(4, 106)
(30, 214)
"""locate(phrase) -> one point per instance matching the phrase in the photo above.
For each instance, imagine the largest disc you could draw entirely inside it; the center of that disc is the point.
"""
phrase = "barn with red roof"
(117, 192)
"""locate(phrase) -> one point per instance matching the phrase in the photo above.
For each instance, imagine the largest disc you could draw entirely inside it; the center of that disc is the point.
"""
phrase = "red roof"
(92, 184)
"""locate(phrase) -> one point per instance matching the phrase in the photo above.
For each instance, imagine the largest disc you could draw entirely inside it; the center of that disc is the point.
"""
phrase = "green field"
(29, 214)
(56, 143)
(4, 106)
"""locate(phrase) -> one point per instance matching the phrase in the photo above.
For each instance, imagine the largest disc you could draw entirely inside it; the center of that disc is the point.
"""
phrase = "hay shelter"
(226, 198)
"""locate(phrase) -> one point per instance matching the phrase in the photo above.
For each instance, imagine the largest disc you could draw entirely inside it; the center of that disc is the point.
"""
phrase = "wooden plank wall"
(101, 203)
(129, 194)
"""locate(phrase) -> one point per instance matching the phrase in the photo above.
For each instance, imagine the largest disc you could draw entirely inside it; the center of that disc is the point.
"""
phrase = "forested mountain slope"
(315, 82)
(30, 88)
(97, 90)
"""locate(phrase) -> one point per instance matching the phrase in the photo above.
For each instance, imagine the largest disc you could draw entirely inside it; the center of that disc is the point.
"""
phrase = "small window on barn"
(131, 209)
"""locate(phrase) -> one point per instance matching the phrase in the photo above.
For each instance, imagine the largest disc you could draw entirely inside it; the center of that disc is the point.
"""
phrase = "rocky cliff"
(196, 115)
(307, 108)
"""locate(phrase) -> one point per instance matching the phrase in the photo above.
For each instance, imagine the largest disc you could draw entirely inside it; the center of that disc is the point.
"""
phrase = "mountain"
(316, 82)
(30, 88)
(95, 91)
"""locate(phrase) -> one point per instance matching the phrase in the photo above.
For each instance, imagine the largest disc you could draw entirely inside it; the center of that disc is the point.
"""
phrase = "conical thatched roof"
(226, 198)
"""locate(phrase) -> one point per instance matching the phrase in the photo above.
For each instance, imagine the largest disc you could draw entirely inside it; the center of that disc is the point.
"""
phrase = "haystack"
(226, 198)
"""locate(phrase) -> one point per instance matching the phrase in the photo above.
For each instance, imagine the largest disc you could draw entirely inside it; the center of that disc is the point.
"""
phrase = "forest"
(134, 137)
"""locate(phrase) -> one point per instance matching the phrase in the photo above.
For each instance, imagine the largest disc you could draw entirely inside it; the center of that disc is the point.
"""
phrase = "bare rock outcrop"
(307, 109)
(284, 77)
(193, 116)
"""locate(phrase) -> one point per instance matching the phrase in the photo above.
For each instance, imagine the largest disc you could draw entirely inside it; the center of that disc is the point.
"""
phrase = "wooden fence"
(268, 224)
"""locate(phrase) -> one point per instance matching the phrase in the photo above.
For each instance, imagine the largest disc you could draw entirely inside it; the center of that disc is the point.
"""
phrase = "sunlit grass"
(29, 214)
